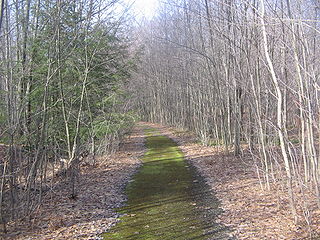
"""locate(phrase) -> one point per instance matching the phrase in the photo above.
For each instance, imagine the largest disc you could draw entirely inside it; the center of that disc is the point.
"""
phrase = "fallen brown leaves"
(250, 211)
(100, 190)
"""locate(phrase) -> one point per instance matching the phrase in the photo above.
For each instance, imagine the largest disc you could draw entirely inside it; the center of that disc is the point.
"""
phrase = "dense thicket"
(63, 67)
(243, 74)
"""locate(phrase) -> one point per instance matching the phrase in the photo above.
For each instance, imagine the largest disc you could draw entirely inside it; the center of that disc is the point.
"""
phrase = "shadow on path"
(167, 199)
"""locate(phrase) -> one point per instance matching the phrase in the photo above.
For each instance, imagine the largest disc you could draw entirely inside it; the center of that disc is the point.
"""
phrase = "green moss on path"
(165, 200)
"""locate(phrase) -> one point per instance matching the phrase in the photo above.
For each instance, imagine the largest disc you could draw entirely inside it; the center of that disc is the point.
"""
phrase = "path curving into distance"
(167, 200)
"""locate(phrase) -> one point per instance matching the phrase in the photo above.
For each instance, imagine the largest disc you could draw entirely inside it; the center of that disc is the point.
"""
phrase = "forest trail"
(167, 199)
(209, 180)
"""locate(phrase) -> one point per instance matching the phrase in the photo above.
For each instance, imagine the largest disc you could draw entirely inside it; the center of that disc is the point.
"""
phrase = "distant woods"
(63, 69)
(244, 75)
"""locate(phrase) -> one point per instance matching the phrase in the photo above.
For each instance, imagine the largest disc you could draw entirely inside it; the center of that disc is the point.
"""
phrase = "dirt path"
(166, 199)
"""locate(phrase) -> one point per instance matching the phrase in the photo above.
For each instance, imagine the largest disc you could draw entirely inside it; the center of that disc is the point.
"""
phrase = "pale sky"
(144, 8)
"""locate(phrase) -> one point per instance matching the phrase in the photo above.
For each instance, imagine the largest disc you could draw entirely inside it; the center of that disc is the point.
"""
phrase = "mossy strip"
(161, 198)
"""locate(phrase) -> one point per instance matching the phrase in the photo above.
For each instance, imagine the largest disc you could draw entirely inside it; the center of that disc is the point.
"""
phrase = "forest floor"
(249, 211)
(100, 190)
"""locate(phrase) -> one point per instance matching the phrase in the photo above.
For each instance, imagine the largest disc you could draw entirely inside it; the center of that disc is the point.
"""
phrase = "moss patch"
(165, 199)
